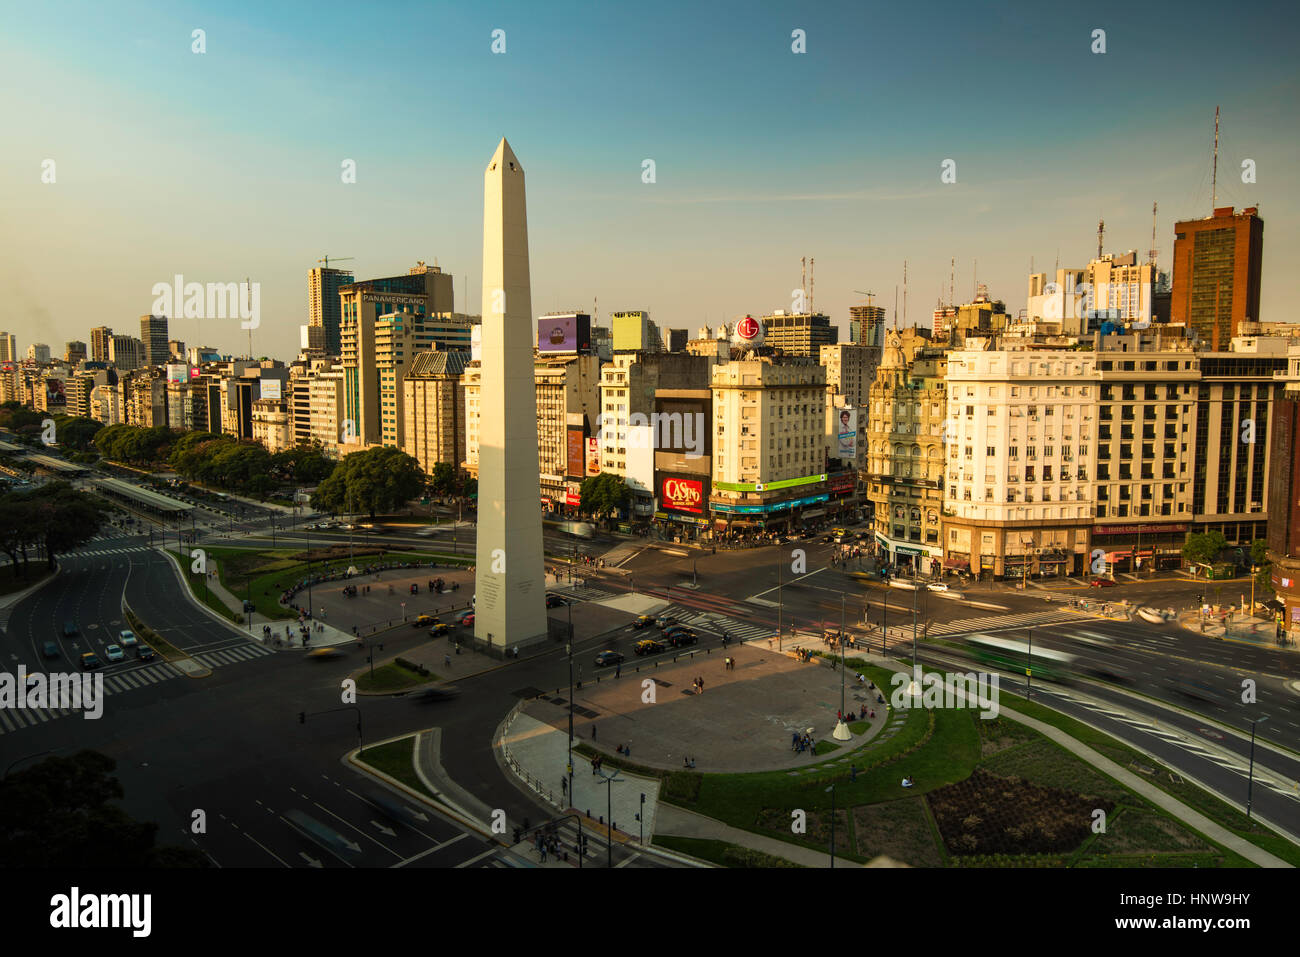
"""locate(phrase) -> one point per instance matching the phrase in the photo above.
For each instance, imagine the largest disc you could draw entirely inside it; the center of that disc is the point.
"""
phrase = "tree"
(443, 479)
(602, 494)
(59, 814)
(1259, 552)
(379, 479)
(62, 517)
(1204, 548)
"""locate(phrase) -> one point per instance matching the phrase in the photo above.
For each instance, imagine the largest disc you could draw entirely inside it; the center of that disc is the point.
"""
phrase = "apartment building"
(434, 409)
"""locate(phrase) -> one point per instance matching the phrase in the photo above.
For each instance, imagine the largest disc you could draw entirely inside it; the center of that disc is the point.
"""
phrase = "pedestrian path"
(1001, 622)
(714, 622)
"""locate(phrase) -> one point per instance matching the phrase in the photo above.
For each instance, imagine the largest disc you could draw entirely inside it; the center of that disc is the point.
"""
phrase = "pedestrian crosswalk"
(719, 624)
(120, 550)
(999, 622)
(232, 655)
(16, 719)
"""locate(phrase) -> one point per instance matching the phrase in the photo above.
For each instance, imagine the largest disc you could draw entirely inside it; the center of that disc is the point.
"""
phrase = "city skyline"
(833, 165)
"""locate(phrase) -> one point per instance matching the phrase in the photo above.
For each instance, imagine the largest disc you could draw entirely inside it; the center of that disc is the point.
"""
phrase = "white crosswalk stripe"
(15, 719)
(716, 622)
(1001, 622)
(232, 655)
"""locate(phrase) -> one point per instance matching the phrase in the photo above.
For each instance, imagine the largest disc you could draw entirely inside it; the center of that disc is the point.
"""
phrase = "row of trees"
(54, 516)
(135, 444)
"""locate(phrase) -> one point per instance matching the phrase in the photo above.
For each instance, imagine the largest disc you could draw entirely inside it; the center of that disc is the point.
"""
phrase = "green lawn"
(721, 853)
(11, 582)
(397, 760)
(392, 677)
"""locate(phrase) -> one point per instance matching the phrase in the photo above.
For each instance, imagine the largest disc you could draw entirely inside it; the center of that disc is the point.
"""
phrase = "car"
(441, 628)
(424, 532)
(145, 653)
(555, 601)
(324, 654)
(69, 628)
(1101, 583)
(424, 620)
(50, 650)
(607, 658)
(114, 653)
(685, 637)
(902, 583)
(467, 620)
(648, 646)
(642, 621)
(90, 661)
(467, 613)
(127, 639)
(434, 695)
(663, 622)
(937, 586)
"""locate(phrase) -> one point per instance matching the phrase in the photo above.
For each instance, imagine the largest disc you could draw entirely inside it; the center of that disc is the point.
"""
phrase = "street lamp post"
(831, 791)
(1029, 663)
(1250, 782)
(610, 779)
(842, 732)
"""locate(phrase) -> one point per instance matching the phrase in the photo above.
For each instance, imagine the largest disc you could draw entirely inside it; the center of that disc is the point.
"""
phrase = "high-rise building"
(801, 334)
(867, 325)
(1020, 427)
(424, 291)
(1284, 496)
(323, 304)
(1146, 428)
(74, 351)
(1113, 288)
(850, 373)
(677, 339)
(153, 333)
(769, 443)
(1217, 263)
(905, 449)
(100, 336)
(434, 409)
(8, 347)
(125, 352)
(510, 607)
(39, 352)
(175, 350)
(271, 426)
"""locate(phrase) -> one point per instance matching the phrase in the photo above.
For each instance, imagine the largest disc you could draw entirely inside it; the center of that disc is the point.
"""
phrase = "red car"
(1101, 583)
(467, 621)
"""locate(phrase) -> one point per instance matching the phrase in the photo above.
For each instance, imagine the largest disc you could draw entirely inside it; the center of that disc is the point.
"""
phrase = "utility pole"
(779, 646)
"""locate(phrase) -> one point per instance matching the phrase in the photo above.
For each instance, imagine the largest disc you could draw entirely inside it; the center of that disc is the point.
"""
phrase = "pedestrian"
(446, 661)
(516, 652)
(593, 732)
(701, 681)
(618, 670)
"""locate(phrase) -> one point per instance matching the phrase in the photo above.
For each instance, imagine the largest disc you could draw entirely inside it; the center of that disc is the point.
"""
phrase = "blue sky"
(227, 164)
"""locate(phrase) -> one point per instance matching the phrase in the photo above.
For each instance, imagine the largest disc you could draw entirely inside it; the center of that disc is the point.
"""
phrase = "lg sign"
(682, 495)
(748, 328)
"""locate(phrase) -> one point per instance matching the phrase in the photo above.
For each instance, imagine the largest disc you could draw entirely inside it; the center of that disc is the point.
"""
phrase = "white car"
(937, 586)
(127, 638)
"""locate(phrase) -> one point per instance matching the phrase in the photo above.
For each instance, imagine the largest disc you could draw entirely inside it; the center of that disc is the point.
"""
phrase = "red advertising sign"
(747, 328)
(842, 483)
(682, 495)
(576, 453)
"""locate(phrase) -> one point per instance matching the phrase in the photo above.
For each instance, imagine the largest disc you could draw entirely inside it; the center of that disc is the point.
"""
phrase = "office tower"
(798, 334)
(323, 305)
(511, 602)
(677, 339)
(866, 325)
(153, 333)
(434, 409)
(175, 350)
(74, 351)
(1216, 273)
(1284, 495)
(38, 351)
(100, 336)
(423, 292)
(125, 352)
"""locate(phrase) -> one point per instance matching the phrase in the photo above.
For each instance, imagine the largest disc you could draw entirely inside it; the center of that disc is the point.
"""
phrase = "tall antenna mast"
(1101, 232)
(1152, 253)
(952, 275)
(1214, 176)
(803, 280)
(895, 307)
(812, 285)
(248, 308)
(904, 292)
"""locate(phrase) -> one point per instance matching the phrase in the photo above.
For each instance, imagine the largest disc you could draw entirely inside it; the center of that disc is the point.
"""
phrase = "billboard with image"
(846, 433)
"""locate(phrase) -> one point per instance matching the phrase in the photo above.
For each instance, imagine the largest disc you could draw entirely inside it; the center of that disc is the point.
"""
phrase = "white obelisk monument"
(510, 602)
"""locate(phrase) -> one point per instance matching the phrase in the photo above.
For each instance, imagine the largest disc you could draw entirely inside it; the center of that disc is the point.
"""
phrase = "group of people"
(688, 762)
(801, 742)
(803, 654)
(625, 750)
(730, 663)
(698, 685)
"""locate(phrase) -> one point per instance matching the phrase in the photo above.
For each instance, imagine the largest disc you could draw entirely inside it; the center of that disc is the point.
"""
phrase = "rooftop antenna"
(1214, 176)
(1101, 232)
(904, 292)
(952, 275)
(812, 285)
(248, 308)
(895, 307)
(1152, 253)
(803, 279)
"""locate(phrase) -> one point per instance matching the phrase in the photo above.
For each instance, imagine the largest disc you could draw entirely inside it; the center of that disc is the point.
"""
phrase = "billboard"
(681, 494)
(54, 393)
(178, 373)
(271, 389)
(593, 456)
(575, 453)
(569, 333)
(846, 433)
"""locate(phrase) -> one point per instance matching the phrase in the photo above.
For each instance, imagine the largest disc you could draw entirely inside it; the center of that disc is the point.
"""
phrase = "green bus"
(1015, 656)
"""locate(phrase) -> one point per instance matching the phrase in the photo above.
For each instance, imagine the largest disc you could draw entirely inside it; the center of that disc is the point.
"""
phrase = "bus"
(1016, 655)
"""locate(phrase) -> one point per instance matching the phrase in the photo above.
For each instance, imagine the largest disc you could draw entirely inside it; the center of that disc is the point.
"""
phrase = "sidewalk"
(1246, 630)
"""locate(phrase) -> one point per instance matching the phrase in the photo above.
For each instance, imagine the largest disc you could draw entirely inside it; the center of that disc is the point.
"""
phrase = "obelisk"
(510, 602)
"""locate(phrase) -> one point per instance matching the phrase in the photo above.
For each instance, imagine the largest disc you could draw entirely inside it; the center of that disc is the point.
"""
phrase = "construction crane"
(337, 259)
